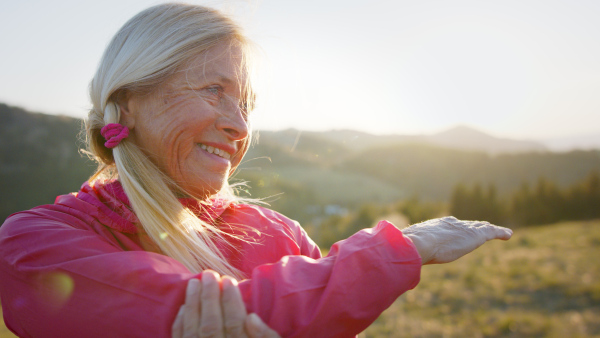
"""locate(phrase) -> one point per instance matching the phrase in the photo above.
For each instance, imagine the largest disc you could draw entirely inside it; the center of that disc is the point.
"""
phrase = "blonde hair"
(146, 51)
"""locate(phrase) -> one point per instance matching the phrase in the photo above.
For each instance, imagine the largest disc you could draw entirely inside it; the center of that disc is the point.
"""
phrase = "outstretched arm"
(61, 278)
(339, 295)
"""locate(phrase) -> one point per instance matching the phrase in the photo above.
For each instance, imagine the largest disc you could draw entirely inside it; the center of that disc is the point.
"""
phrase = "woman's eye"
(215, 90)
(245, 107)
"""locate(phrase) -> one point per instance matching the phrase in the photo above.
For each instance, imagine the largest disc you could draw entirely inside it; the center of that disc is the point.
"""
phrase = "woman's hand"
(208, 312)
(444, 240)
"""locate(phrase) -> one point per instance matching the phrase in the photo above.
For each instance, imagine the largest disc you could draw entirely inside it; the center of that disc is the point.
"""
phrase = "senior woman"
(123, 255)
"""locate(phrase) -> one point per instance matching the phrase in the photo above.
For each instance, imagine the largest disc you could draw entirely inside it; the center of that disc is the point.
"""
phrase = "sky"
(527, 69)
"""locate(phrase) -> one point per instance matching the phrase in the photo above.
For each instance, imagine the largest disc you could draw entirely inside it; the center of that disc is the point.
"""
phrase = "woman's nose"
(234, 124)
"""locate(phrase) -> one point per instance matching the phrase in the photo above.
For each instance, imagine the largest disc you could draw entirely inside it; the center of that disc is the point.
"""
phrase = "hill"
(300, 173)
(347, 169)
(466, 138)
(459, 138)
(39, 159)
(585, 141)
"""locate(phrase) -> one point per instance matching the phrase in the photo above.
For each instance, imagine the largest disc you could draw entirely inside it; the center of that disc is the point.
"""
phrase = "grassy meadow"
(4, 332)
(544, 282)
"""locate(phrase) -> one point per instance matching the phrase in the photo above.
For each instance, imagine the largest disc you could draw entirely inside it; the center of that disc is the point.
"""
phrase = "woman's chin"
(203, 191)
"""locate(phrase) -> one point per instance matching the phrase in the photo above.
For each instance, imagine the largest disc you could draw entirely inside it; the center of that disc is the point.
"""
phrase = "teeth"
(216, 151)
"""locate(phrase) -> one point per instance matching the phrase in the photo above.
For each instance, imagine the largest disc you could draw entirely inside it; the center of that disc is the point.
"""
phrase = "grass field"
(544, 282)
(4, 332)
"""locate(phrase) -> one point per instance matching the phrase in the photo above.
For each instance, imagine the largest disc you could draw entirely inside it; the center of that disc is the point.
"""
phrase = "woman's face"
(192, 127)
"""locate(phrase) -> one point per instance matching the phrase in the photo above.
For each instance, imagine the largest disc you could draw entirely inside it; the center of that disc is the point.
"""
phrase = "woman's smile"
(223, 151)
(218, 151)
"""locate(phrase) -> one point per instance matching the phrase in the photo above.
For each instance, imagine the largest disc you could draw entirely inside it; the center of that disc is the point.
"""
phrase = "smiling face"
(192, 127)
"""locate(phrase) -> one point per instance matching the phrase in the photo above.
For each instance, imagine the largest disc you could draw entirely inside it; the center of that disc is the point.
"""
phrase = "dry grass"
(544, 282)
(4, 332)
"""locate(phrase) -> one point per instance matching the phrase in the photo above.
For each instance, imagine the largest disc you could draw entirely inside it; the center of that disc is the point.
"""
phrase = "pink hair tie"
(114, 133)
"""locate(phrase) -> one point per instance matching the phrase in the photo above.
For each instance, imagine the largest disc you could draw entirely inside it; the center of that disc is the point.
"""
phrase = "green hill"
(39, 159)
(298, 172)
(338, 174)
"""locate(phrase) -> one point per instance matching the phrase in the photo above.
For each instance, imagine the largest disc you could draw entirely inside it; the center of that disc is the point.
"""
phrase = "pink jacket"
(78, 268)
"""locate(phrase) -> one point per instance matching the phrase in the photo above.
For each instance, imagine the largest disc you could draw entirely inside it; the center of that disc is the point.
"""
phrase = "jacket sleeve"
(58, 280)
(339, 295)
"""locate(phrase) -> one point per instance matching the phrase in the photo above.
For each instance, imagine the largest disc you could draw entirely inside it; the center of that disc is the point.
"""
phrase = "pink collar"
(111, 200)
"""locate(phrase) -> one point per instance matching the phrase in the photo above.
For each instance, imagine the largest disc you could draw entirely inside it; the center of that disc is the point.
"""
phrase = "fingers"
(234, 310)
(191, 309)
(177, 328)
(210, 312)
(211, 324)
(496, 232)
(503, 233)
(488, 230)
(256, 328)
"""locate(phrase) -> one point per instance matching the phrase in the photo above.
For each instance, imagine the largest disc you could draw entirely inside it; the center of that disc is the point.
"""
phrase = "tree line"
(543, 202)
(540, 203)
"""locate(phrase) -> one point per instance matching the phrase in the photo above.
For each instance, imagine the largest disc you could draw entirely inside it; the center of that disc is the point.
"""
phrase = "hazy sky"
(523, 68)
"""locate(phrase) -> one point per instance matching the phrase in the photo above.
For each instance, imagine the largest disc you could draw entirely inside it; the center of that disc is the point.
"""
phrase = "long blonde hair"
(146, 51)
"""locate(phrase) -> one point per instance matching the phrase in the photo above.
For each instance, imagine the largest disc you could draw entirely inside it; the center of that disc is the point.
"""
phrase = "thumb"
(496, 232)
(256, 328)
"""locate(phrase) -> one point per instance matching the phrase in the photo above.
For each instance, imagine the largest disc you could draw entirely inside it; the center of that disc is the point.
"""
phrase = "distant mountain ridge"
(466, 138)
(306, 171)
(583, 141)
(459, 137)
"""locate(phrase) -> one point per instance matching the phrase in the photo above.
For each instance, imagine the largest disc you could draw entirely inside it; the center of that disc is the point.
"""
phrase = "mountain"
(466, 138)
(300, 173)
(348, 168)
(585, 141)
(459, 137)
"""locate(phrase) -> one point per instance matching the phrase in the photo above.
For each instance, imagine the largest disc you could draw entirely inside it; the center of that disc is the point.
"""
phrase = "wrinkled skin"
(446, 239)
(198, 106)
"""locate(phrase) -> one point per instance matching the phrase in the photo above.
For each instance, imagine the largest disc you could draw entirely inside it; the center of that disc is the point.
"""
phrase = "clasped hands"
(214, 308)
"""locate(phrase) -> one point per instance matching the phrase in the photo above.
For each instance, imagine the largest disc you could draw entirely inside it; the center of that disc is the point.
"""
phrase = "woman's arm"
(339, 295)
(362, 275)
(57, 280)
(60, 279)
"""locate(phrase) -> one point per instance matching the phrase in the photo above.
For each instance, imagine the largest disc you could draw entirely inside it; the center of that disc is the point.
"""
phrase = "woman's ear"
(126, 112)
